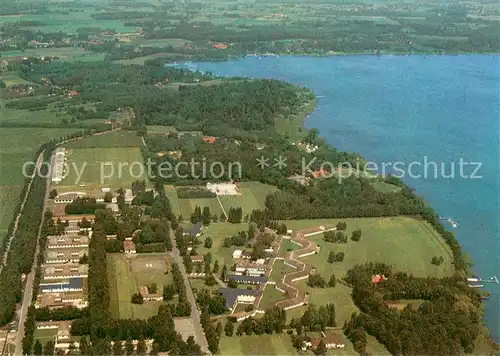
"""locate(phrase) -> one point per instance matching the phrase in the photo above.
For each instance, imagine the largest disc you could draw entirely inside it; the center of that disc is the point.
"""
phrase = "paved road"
(28, 288)
(195, 314)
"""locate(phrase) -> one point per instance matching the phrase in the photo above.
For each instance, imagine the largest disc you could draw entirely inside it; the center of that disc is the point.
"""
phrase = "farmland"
(127, 275)
(17, 146)
(112, 139)
(253, 197)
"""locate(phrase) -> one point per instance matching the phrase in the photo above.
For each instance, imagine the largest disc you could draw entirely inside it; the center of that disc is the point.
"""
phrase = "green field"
(270, 297)
(45, 335)
(405, 243)
(287, 245)
(279, 270)
(274, 344)
(253, 197)
(112, 139)
(17, 146)
(115, 167)
(124, 282)
(185, 207)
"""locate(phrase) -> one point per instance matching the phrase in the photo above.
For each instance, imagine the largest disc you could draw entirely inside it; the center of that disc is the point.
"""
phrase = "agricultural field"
(112, 139)
(17, 146)
(274, 344)
(111, 167)
(253, 197)
(126, 275)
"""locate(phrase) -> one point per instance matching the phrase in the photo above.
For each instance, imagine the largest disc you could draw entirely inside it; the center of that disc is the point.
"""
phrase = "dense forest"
(447, 322)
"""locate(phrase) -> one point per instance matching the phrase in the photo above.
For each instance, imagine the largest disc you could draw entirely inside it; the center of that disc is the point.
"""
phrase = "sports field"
(126, 275)
(274, 344)
(253, 197)
(112, 167)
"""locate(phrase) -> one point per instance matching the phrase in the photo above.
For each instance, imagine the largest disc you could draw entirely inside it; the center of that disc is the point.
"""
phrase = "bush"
(194, 193)
(137, 298)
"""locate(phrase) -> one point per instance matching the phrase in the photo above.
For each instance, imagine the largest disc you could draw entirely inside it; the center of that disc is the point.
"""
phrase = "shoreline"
(486, 333)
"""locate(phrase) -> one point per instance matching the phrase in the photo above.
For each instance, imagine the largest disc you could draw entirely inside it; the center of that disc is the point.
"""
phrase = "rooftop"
(232, 294)
(247, 279)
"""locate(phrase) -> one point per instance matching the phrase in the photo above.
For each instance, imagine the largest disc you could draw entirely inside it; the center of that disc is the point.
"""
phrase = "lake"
(436, 116)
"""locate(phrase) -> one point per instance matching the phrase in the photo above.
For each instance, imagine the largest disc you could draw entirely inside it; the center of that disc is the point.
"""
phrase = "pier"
(493, 279)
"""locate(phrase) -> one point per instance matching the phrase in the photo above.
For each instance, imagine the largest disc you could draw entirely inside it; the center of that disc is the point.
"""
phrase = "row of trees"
(22, 249)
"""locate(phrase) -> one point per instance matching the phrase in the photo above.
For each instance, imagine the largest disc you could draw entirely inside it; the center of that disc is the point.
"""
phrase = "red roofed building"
(320, 173)
(129, 247)
(377, 278)
(219, 45)
(209, 139)
(74, 93)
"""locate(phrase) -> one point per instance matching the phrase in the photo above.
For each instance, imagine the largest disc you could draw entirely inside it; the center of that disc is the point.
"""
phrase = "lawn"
(114, 167)
(403, 242)
(270, 297)
(218, 232)
(114, 139)
(127, 275)
(286, 246)
(274, 344)
(279, 270)
(185, 207)
(45, 335)
(253, 197)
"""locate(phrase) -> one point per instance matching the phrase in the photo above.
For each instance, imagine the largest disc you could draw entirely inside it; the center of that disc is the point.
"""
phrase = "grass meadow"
(253, 197)
(113, 167)
(405, 243)
(274, 344)
(113, 139)
(125, 277)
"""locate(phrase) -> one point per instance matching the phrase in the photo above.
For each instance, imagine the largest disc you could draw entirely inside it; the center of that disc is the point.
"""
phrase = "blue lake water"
(420, 109)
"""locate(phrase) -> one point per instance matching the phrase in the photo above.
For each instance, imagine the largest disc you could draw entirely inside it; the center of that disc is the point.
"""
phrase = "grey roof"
(196, 229)
(247, 279)
(231, 294)
(74, 283)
